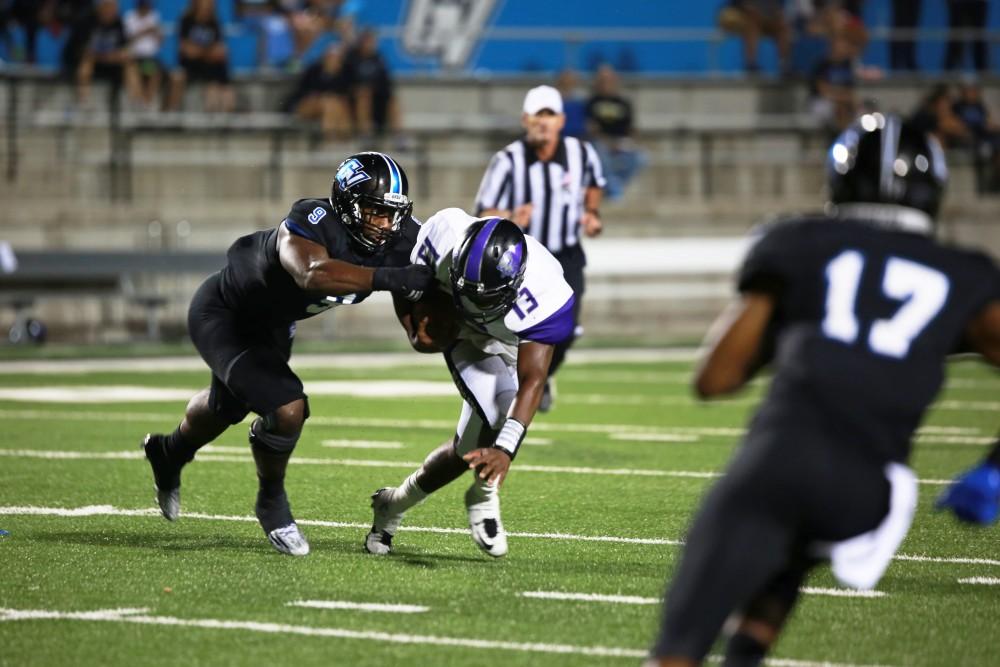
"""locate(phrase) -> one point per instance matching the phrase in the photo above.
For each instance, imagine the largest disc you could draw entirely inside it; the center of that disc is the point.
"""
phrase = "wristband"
(510, 437)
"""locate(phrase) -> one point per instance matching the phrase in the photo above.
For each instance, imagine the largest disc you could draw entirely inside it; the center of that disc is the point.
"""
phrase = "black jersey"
(256, 285)
(865, 318)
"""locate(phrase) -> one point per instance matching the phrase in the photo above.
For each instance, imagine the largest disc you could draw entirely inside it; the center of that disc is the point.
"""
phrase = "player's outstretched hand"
(410, 281)
(490, 463)
(974, 496)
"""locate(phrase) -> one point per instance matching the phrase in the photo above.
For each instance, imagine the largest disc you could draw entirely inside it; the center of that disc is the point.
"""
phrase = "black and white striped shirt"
(556, 188)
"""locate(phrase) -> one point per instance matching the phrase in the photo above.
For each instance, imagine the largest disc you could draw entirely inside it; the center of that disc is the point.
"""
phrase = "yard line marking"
(842, 592)
(655, 437)
(312, 361)
(109, 510)
(360, 606)
(540, 442)
(589, 597)
(7, 615)
(135, 616)
(985, 581)
(363, 444)
(381, 422)
(241, 457)
(635, 599)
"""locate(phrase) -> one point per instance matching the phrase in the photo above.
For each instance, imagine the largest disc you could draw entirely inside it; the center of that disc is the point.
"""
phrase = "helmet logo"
(510, 262)
(351, 173)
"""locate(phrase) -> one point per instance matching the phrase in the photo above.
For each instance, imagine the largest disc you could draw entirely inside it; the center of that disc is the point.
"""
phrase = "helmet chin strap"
(893, 216)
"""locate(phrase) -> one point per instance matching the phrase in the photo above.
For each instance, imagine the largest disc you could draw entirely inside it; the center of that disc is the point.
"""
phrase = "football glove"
(974, 496)
(409, 281)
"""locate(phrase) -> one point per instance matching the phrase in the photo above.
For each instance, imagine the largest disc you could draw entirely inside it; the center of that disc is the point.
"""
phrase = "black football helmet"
(366, 185)
(487, 269)
(882, 159)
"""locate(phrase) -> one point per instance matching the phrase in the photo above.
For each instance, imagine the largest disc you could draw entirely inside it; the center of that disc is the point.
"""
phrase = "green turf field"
(596, 505)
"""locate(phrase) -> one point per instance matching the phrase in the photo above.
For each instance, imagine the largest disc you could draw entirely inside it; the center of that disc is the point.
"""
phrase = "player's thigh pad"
(488, 385)
(262, 379)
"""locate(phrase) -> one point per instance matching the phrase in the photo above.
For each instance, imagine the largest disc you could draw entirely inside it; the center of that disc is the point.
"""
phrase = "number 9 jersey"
(865, 315)
(543, 310)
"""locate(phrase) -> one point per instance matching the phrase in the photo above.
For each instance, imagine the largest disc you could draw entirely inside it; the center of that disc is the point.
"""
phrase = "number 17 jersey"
(865, 316)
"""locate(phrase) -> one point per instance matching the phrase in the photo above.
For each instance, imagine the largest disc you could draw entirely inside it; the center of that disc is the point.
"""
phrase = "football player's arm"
(313, 270)
(416, 332)
(492, 463)
(735, 343)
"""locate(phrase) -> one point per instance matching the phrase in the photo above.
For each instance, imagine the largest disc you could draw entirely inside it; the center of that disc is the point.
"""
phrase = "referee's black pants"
(573, 260)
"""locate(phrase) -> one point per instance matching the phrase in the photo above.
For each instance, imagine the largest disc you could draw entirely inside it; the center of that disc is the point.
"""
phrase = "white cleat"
(289, 540)
(384, 524)
(484, 522)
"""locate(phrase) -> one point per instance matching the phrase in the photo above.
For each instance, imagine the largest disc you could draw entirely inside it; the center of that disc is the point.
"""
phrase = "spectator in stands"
(835, 19)
(266, 20)
(936, 116)
(751, 19)
(78, 17)
(203, 58)
(610, 126)
(903, 50)
(984, 131)
(574, 104)
(323, 93)
(27, 14)
(967, 15)
(374, 101)
(833, 98)
(106, 56)
(145, 36)
(311, 18)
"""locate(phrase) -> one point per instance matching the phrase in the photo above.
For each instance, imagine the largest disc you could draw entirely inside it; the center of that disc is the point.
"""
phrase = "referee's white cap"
(542, 97)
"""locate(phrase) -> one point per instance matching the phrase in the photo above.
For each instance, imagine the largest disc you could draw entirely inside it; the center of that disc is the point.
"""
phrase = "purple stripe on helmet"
(474, 263)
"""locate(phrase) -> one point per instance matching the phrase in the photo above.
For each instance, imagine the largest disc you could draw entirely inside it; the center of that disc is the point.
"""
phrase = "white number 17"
(924, 291)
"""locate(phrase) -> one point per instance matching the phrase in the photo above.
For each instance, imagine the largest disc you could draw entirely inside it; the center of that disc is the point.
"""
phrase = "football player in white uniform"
(513, 306)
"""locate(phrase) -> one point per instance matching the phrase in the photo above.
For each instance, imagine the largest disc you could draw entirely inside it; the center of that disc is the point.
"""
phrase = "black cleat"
(166, 475)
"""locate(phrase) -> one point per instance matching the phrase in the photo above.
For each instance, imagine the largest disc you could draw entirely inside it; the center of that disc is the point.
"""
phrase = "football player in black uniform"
(326, 252)
(858, 309)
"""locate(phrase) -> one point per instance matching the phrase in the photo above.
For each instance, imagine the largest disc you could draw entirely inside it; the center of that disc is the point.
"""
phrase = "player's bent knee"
(278, 431)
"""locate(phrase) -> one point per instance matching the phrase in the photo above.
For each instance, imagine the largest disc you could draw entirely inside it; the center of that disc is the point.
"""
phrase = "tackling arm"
(734, 344)
(313, 270)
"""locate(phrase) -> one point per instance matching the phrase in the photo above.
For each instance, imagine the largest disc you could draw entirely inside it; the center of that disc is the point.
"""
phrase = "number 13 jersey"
(543, 311)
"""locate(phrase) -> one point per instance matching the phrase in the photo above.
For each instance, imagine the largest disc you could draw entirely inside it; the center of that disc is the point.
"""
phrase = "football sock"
(481, 491)
(270, 471)
(179, 450)
(406, 495)
(744, 651)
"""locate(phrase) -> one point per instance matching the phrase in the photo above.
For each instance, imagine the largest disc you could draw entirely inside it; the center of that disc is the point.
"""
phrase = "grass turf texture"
(225, 570)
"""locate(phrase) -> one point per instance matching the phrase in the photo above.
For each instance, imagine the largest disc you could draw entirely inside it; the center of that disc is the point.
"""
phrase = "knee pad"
(263, 434)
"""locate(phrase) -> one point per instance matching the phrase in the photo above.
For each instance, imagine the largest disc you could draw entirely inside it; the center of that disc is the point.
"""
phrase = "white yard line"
(108, 510)
(634, 599)
(363, 444)
(140, 617)
(981, 581)
(842, 592)
(209, 455)
(117, 616)
(360, 606)
(314, 361)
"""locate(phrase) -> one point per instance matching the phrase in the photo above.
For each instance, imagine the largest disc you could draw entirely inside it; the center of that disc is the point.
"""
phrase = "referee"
(552, 187)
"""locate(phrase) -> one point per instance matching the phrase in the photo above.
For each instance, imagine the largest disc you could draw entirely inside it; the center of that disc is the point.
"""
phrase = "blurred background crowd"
(706, 116)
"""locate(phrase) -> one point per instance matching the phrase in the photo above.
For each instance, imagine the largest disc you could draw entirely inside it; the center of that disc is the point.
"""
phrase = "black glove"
(409, 281)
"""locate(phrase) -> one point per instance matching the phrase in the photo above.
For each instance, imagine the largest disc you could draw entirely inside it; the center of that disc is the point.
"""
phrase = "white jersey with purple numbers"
(543, 311)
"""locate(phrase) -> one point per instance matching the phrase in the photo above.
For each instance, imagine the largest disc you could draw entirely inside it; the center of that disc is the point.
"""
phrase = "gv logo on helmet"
(351, 173)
